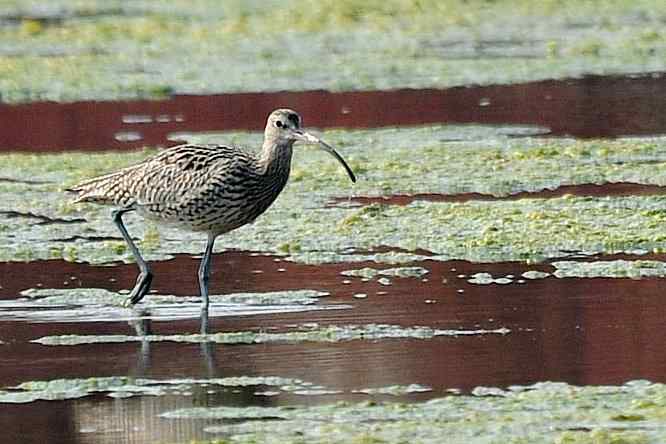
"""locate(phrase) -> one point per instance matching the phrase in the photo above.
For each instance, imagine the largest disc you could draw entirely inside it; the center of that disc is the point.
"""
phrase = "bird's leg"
(145, 278)
(204, 271)
(204, 321)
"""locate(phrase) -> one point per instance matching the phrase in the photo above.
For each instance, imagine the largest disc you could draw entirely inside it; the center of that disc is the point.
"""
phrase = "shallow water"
(559, 329)
(607, 189)
(401, 343)
(423, 328)
(630, 106)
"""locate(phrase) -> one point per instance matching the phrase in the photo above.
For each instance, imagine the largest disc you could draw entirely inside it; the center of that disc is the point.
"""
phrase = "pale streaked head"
(284, 125)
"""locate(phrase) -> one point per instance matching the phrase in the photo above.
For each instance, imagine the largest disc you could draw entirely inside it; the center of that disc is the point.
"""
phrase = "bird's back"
(201, 187)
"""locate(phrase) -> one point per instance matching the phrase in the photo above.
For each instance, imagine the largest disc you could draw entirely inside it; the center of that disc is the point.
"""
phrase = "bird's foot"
(141, 288)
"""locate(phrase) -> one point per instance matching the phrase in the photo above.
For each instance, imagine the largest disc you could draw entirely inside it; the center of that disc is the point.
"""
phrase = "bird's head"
(284, 126)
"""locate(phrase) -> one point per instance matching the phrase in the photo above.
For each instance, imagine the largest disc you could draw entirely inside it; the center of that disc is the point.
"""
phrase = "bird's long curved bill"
(307, 137)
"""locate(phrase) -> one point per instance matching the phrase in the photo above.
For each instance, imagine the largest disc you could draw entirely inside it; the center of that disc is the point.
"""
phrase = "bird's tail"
(103, 189)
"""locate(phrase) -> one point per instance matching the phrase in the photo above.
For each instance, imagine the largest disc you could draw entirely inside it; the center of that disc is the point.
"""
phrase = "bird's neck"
(275, 158)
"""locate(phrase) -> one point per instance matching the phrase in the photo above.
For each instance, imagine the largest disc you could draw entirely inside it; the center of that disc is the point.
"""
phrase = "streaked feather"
(202, 187)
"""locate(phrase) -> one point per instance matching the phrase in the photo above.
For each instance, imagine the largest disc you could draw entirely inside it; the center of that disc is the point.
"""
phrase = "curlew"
(204, 188)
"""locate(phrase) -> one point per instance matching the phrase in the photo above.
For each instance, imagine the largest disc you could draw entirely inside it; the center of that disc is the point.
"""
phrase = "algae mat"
(38, 222)
(543, 413)
(116, 49)
(125, 387)
(560, 413)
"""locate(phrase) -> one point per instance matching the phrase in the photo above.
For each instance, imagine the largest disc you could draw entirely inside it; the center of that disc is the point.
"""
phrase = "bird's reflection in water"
(142, 325)
(207, 349)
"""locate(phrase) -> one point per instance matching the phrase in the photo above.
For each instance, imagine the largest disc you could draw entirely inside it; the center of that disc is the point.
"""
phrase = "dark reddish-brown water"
(573, 326)
(592, 106)
(561, 329)
(607, 189)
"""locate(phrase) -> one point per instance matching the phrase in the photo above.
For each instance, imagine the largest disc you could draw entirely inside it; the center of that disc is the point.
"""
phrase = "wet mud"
(592, 106)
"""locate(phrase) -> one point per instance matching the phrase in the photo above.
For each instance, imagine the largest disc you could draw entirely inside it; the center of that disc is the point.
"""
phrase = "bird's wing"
(169, 178)
(180, 174)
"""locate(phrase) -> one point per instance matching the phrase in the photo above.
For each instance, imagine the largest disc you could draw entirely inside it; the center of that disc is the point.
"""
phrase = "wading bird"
(205, 188)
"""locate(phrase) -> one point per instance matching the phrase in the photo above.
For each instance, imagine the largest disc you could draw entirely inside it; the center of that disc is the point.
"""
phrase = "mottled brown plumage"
(207, 188)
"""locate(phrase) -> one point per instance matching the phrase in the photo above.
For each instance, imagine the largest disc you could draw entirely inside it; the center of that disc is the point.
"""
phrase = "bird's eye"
(278, 124)
(293, 118)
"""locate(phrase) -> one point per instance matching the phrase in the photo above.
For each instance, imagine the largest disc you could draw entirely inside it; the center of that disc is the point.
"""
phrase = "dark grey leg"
(145, 278)
(204, 321)
(204, 271)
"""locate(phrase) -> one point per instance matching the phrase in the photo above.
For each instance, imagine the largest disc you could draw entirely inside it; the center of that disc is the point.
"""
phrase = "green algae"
(99, 296)
(526, 229)
(404, 272)
(633, 269)
(115, 49)
(62, 389)
(542, 413)
(400, 272)
(365, 272)
(329, 257)
(487, 278)
(535, 274)
(124, 387)
(395, 390)
(384, 281)
(306, 333)
(610, 269)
